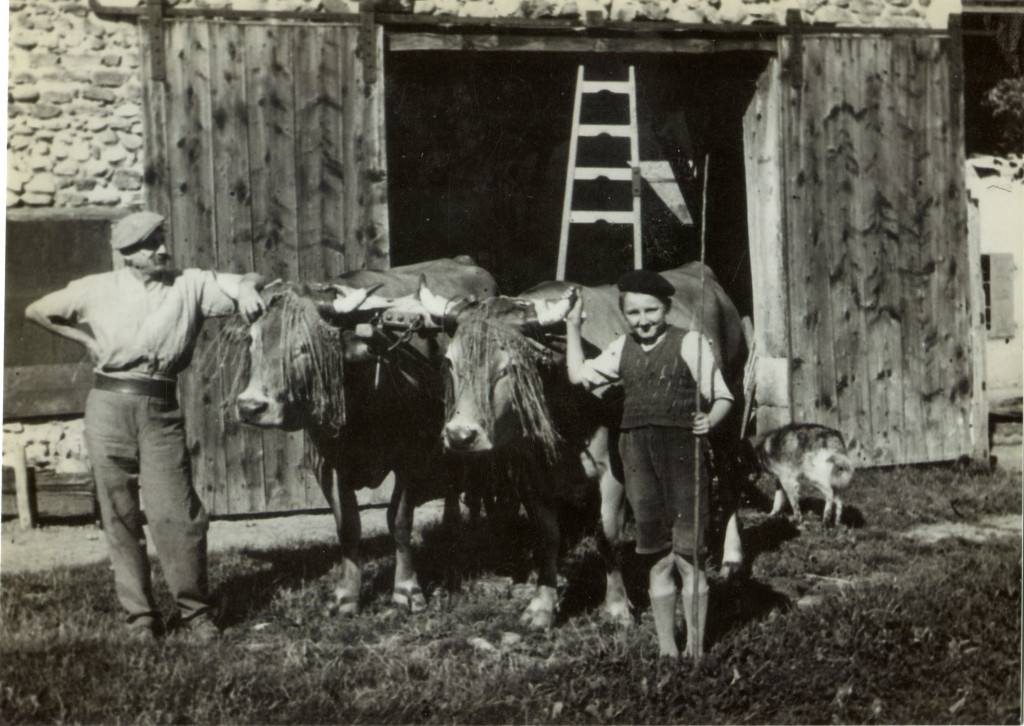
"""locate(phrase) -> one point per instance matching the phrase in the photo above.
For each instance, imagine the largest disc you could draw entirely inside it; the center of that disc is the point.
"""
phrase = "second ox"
(509, 394)
(372, 402)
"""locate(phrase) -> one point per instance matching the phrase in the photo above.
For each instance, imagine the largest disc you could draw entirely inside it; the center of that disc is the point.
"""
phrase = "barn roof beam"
(536, 26)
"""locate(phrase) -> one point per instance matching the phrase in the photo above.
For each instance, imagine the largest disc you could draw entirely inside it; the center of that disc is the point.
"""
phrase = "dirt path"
(44, 548)
(68, 546)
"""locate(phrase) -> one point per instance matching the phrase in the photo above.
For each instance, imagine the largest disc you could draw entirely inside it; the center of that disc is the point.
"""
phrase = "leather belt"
(152, 387)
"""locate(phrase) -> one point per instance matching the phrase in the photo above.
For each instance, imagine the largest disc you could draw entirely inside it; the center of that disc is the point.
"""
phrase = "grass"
(859, 625)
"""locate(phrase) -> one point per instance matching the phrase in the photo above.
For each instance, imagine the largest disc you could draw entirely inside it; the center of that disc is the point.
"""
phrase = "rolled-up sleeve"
(67, 303)
(604, 369)
(213, 299)
(712, 383)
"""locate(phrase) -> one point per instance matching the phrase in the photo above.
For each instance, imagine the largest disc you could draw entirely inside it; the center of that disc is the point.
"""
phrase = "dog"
(810, 454)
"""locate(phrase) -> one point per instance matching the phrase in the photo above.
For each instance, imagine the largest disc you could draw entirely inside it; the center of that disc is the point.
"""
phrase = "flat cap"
(134, 228)
(646, 282)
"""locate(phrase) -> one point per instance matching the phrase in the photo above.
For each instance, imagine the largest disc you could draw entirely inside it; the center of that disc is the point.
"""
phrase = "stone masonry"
(74, 125)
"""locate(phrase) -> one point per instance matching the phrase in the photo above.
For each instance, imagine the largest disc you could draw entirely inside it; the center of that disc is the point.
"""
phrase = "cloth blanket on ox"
(452, 278)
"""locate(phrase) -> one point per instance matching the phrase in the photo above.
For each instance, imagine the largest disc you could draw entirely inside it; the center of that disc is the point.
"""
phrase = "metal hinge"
(368, 41)
(152, 21)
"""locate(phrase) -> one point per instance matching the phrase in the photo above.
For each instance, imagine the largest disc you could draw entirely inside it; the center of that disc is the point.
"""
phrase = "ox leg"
(613, 515)
(406, 592)
(732, 551)
(345, 508)
(542, 511)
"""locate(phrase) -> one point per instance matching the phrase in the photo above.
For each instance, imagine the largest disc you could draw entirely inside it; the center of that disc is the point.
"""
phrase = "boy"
(657, 366)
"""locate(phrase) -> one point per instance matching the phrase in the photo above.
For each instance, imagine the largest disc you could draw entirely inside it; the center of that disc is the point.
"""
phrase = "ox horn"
(350, 299)
(553, 310)
(436, 305)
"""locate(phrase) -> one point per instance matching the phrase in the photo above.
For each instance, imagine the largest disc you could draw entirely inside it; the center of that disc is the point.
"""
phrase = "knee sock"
(663, 607)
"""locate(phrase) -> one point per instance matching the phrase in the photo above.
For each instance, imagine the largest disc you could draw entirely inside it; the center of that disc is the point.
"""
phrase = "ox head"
(495, 395)
(293, 375)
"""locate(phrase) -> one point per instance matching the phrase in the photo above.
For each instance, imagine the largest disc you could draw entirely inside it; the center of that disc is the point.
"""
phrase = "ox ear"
(553, 310)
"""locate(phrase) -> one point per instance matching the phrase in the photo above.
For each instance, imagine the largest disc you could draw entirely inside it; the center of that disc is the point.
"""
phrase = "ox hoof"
(620, 616)
(345, 606)
(538, 619)
(731, 571)
(409, 597)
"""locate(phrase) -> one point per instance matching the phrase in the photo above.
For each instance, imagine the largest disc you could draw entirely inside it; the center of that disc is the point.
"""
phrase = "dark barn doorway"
(477, 146)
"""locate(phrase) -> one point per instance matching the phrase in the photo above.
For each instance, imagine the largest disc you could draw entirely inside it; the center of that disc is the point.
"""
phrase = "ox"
(509, 393)
(371, 401)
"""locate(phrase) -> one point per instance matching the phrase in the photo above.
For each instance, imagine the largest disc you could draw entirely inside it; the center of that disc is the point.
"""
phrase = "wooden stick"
(694, 605)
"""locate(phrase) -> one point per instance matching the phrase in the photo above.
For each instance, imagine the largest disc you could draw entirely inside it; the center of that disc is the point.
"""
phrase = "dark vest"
(657, 385)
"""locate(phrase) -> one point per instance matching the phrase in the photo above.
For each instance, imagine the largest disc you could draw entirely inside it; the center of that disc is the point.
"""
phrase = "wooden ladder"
(630, 173)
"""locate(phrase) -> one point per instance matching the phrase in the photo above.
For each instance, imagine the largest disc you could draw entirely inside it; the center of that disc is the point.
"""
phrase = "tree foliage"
(1005, 101)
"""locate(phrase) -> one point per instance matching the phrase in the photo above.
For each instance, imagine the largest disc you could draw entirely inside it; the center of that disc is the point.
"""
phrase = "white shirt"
(143, 329)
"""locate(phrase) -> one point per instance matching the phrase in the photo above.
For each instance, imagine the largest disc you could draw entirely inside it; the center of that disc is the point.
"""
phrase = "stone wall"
(74, 108)
(75, 94)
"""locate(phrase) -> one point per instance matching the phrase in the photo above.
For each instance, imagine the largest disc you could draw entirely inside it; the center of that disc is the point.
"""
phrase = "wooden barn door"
(265, 149)
(875, 227)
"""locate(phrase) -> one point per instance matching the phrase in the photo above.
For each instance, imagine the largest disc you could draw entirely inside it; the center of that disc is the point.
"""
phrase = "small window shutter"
(1001, 284)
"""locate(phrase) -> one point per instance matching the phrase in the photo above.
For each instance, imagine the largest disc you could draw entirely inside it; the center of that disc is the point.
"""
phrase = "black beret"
(646, 282)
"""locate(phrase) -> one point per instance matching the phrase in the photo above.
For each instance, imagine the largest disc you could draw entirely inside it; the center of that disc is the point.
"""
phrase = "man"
(140, 325)
(657, 367)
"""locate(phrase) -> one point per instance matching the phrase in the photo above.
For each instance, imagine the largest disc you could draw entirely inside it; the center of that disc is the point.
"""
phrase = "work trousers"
(659, 465)
(137, 448)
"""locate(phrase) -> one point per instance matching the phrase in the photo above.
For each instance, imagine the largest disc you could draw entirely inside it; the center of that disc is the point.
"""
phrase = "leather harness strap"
(152, 387)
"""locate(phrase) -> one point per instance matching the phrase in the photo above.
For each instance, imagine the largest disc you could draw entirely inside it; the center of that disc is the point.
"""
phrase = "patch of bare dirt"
(43, 548)
(989, 528)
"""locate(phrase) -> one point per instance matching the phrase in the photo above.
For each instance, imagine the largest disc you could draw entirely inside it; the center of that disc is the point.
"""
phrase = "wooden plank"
(917, 255)
(332, 121)
(800, 196)
(979, 424)
(950, 239)
(366, 223)
(374, 172)
(271, 53)
(55, 389)
(270, 99)
(762, 143)
(237, 462)
(883, 318)
(191, 194)
(355, 247)
(865, 139)
(309, 143)
(840, 172)
(404, 41)
(823, 86)
(155, 164)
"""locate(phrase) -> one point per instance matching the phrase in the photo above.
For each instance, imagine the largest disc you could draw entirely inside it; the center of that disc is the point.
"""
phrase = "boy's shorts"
(658, 464)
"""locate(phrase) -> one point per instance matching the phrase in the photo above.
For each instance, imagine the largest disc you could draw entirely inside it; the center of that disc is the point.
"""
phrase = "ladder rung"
(611, 217)
(621, 173)
(610, 129)
(613, 86)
